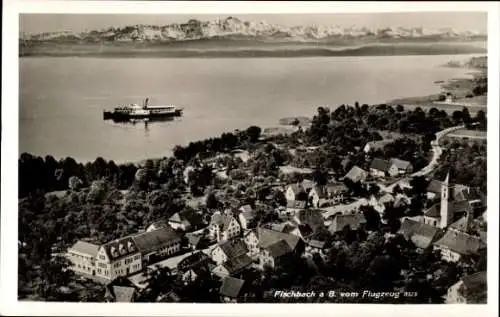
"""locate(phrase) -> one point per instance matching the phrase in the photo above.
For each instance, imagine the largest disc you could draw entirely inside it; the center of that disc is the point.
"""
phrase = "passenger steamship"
(146, 111)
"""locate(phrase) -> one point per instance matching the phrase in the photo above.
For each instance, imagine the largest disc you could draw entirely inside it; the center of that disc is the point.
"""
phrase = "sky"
(461, 21)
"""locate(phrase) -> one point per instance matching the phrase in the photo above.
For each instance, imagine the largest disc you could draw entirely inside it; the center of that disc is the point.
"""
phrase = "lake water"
(62, 99)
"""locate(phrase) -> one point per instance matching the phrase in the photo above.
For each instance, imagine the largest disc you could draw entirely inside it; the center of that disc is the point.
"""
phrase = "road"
(140, 278)
(436, 149)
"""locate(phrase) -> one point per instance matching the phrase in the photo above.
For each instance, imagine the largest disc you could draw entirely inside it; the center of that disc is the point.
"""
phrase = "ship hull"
(113, 115)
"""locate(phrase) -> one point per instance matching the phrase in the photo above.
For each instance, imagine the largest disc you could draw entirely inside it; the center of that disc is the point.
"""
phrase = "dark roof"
(283, 227)
(460, 242)
(434, 186)
(267, 237)
(473, 280)
(196, 259)
(153, 240)
(333, 188)
(380, 164)
(234, 248)
(179, 217)
(194, 239)
(305, 230)
(127, 246)
(278, 249)
(296, 204)
(461, 206)
(356, 174)
(421, 234)
(85, 248)
(316, 244)
(231, 287)
(352, 220)
(400, 164)
(169, 298)
(123, 293)
(460, 224)
(235, 265)
(434, 211)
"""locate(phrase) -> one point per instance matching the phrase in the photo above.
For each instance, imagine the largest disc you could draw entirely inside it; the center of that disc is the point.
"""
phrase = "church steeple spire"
(446, 202)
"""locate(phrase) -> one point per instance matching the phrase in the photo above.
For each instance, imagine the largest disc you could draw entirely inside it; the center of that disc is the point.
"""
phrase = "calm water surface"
(62, 99)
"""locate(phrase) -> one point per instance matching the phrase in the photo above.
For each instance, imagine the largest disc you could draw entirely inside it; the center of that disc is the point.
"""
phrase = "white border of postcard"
(10, 73)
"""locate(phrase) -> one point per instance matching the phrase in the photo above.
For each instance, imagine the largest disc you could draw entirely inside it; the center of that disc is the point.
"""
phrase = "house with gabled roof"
(121, 290)
(223, 227)
(293, 207)
(382, 168)
(422, 235)
(315, 246)
(268, 236)
(247, 217)
(120, 257)
(295, 192)
(223, 252)
(471, 289)
(252, 243)
(233, 266)
(455, 244)
(231, 289)
(404, 167)
(273, 254)
(181, 220)
(82, 256)
(333, 192)
(356, 174)
(353, 221)
(157, 244)
(156, 225)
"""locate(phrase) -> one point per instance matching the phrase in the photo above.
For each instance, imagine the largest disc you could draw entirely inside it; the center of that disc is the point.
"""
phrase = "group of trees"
(226, 142)
(47, 174)
(466, 162)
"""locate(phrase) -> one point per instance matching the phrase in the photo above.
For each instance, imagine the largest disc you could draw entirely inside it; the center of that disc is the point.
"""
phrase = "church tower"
(446, 203)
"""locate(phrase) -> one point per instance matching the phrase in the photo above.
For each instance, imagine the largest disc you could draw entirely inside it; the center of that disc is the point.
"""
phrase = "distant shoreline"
(116, 51)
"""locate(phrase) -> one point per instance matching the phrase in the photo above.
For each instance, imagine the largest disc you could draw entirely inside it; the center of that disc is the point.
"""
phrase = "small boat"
(146, 111)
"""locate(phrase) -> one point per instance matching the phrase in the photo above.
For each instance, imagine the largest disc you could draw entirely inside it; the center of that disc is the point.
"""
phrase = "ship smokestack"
(146, 103)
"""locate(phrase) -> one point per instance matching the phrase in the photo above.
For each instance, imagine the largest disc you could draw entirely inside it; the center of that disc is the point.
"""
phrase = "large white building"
(119, 257)
(82, 256)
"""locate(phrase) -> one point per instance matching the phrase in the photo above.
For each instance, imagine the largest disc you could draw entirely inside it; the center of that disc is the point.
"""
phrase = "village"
(296, 215)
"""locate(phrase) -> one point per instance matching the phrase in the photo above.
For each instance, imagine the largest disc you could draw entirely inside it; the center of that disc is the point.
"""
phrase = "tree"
(212, 202)
(75, 183)
(320, 177)
(419, 185)
(372, 217)
(253, 133)
(160, 281)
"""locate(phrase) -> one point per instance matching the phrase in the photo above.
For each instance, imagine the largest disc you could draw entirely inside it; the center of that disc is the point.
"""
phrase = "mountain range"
(234, 29)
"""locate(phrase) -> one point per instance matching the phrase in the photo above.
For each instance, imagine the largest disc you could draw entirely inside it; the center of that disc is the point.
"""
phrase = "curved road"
(436, 149)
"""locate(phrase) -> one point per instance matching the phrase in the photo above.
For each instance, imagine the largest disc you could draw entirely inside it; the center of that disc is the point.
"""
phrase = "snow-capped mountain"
(234, 28)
